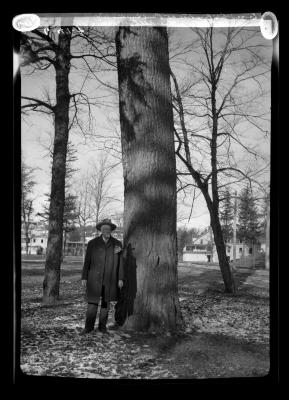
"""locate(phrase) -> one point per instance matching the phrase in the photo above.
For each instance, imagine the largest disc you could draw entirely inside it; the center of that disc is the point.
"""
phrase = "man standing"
(102, 274)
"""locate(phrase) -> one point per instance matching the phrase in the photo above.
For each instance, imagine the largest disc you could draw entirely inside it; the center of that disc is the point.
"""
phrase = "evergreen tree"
(69, 214)
(248, 226)
(263, 215)
(27, 185)
(227, 216)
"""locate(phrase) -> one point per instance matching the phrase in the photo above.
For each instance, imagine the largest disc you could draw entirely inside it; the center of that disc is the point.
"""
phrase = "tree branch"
(38, 103)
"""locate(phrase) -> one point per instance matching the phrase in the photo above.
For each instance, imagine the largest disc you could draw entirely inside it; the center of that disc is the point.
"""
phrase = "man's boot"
(103, 317)
(90, 318)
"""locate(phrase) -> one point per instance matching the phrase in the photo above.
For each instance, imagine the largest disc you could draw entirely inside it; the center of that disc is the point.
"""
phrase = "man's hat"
(105, 222)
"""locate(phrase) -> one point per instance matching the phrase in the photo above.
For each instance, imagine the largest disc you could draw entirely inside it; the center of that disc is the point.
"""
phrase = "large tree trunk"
(149, 169)
(55, 224)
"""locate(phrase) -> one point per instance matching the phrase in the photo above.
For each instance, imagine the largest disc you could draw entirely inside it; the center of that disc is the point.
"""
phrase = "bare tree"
(57, 48)
(210, 109)
(149, 169)
(70, 210)
(84, 206)
(94, 194)
(100, 187)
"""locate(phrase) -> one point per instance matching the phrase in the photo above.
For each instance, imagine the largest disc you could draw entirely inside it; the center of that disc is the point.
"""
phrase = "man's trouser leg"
(91, 313)
(103, 314)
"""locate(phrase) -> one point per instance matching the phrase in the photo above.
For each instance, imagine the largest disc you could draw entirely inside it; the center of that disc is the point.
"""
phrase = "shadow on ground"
(228, 334)
(194, 280)
(204, 355)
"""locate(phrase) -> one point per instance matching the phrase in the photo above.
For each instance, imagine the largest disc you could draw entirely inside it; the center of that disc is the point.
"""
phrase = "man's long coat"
(102, 267)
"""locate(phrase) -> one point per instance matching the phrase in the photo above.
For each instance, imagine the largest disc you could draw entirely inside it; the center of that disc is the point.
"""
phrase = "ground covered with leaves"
(225, 336)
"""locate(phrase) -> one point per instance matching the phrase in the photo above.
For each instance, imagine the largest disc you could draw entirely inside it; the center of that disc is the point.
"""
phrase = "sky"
(37, 135)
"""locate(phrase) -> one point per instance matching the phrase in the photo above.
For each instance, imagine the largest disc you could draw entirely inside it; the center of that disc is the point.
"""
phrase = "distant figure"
(102, 275)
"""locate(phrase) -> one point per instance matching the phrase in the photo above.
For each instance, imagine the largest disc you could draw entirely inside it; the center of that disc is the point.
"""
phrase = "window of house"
(41, 240)
(250, 250)
(240, 249)
(201, 241)
(34, 240)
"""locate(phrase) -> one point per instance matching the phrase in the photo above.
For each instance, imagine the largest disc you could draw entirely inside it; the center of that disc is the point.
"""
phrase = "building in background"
(203, 249)
(37, 239)
(75, 248)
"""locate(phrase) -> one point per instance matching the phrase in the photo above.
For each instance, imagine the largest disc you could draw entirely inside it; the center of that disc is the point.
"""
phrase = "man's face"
(106, 231)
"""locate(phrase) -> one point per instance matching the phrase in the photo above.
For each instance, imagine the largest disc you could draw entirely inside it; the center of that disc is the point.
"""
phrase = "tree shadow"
(215, 281)
(126, 296)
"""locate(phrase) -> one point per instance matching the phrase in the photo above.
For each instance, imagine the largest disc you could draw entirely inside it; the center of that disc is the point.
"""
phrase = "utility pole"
(235, 230)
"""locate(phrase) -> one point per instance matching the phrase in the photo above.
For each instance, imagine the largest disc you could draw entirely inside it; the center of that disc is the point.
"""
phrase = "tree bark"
(221, 251)
(55, 224)
(149, 169)
(26, 229)
(235, 230)
(214, 211)
(267, 248)
(83, 244)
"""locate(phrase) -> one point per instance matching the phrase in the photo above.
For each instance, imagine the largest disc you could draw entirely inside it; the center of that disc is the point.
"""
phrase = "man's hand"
(117, 249)
(120, 284)
(84, 283)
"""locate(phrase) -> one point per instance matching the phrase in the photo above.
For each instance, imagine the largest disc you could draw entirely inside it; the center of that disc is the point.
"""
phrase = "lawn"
(225, 336)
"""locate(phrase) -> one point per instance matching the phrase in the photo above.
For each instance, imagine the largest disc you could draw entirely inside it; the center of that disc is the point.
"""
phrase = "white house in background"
(242, 249)
(201, 248)
(37, 242)
(204, 249)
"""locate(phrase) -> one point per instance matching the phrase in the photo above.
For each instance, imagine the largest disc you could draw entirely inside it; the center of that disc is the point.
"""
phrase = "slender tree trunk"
(55, 224)
(26, 239)
(149, 169)
(221, 251)
(97, 213)
(235, 230)
(254, 258)
(64, 244)
(83, 244)
(214, 209)
(219, 242)
(267, 248)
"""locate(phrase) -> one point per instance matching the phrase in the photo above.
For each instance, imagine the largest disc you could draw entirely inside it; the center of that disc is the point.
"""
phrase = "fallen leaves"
(51, 345)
